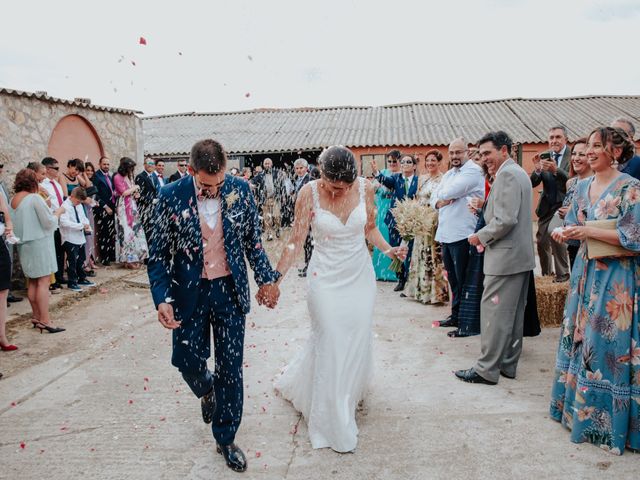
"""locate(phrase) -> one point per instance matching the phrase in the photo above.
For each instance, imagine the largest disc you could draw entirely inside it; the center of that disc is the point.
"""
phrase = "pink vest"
(214, 255)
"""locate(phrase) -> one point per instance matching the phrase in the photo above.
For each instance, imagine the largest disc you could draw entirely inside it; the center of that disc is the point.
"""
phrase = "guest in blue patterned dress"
(596, 390)
(383, 199)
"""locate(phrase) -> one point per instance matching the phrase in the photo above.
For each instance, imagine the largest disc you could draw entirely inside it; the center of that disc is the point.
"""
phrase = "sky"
(217, 56)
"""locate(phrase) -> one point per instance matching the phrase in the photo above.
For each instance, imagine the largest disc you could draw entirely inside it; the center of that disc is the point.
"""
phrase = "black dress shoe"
(507, 376)
(457, 333)
(471, 376)
(448, 323)
(399, 287)
(13, 299)
(234, 457)
(208, 406)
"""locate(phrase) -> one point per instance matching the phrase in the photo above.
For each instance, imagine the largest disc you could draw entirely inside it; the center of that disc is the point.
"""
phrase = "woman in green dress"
(383, 200)
(33, 225)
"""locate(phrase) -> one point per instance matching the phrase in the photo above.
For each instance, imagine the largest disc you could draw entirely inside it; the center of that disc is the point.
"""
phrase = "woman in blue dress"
(383, 199)
(596, 390)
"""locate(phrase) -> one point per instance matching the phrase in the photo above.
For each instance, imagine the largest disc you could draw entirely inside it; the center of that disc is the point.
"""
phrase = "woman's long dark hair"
(338, 164)
(126, 167)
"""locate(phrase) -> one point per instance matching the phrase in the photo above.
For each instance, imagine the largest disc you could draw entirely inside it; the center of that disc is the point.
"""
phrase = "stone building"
(35, 125)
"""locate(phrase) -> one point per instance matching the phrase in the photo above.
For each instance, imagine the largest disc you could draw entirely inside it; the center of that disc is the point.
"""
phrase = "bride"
(328, 378)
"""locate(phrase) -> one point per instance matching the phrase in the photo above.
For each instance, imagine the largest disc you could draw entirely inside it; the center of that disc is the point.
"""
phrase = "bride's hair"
(338, 164)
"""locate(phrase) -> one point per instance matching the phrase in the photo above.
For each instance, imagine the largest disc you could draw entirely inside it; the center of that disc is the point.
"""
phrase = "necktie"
(75, 210)
(556, 156)
(154, 180)
(58, 195)
(406, 186)
(113, 197)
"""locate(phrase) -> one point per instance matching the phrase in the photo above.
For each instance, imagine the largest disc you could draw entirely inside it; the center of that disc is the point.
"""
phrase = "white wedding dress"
(329, 377)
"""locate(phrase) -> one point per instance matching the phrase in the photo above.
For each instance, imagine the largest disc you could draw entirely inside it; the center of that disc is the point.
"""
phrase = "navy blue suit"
(105, 223)
(396, 183)
(632, 167)
(175, 270)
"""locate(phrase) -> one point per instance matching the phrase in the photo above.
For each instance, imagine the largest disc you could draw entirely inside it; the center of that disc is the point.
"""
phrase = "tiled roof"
(413, 124)
(76, 103)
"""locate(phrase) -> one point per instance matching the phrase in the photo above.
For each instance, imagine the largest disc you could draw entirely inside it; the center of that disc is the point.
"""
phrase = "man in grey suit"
(508, 261)
(552, 170)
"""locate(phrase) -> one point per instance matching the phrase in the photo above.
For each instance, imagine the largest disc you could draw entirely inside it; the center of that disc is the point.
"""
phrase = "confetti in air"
(142, 41)
(495, 299)
(247, 95)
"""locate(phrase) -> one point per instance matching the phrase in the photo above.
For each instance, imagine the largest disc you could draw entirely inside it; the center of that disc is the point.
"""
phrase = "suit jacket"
(148, 193)
(175, 256)
(105, 196)
(554, 187)
(396, 184)
(280, 190)
(306, 179)
(176, 176)
(508, 233)
(632, 167)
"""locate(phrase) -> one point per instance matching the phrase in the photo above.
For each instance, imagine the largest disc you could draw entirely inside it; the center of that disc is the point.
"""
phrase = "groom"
(205, 225)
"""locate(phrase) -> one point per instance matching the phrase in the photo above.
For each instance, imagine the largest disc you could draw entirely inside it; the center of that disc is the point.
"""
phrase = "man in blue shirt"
(632, 167)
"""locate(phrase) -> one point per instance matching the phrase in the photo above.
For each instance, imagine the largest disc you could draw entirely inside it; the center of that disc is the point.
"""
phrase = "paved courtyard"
(101, 401)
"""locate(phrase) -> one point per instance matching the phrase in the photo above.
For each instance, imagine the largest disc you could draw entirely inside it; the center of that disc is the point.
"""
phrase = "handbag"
(598, 248)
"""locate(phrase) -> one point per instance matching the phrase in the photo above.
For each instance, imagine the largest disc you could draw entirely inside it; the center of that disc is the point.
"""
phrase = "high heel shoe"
(8, 348)
(48, 328)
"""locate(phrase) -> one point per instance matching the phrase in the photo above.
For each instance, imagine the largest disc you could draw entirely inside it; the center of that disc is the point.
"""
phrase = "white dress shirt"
(72, 230)
(48, 185)
(208, 208)
(455, 221)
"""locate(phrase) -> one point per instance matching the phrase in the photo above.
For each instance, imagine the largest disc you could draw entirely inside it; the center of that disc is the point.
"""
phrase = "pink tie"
(59, 197)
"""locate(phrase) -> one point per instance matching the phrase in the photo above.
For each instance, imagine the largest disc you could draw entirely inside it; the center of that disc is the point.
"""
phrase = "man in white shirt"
(56, 197)
(74, 226)
(465, 180)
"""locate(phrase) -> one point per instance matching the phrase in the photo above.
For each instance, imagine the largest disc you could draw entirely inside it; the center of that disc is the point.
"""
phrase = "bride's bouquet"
(412, 219)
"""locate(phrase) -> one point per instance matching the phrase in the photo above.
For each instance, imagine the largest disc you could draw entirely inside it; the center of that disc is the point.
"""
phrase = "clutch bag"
(598, 248)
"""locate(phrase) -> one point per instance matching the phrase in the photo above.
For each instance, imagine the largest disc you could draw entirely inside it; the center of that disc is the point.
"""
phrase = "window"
(365, 163)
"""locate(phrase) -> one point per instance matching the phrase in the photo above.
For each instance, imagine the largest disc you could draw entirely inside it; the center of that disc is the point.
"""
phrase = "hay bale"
(550, 297)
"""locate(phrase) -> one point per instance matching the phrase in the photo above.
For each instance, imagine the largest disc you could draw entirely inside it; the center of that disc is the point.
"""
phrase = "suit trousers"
(75, 261)
(502, 321)
(218, 309)
(455, 257)
(106, 234)
(271, 217)
(549, 249)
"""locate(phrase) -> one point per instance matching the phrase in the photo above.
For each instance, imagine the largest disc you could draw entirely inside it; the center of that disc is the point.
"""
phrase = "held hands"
(165, 316)
(268, 295)
(474, 240)
(575, 232)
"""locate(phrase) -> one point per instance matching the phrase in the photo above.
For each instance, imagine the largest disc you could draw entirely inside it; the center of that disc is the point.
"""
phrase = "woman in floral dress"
(426, 280)
(131, 246)
(596, 390)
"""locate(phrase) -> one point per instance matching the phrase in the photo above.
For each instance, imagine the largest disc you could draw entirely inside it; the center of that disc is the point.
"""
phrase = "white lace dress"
(330, 375)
